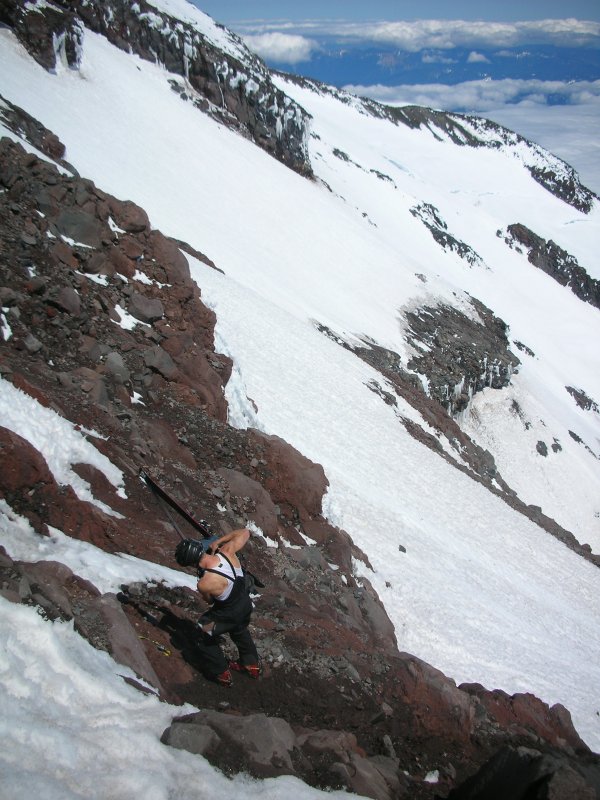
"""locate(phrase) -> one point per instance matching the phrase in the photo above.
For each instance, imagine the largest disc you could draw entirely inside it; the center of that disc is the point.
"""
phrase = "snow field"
(107, 572)
(570, 497)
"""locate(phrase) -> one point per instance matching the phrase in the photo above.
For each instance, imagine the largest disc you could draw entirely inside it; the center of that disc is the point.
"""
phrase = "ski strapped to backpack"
(169, 501)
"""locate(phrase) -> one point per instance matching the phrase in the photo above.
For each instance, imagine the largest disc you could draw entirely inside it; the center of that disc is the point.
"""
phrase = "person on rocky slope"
(222, 583)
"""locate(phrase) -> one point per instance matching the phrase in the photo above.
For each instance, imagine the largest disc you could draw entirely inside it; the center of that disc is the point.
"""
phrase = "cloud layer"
(295, 41)
(482, 95)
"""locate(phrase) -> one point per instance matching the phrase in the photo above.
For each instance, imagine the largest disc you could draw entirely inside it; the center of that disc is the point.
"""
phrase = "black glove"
(188, 552)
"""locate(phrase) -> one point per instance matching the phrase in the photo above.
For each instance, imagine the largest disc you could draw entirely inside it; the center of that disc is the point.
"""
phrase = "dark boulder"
(146, 309)
(556, 262)
(527, 774)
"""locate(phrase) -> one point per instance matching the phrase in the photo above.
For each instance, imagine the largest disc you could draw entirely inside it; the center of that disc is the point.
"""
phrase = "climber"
(222, 583)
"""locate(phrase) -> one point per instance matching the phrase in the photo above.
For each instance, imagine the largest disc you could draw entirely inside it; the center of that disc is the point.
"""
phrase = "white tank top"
(225, 569)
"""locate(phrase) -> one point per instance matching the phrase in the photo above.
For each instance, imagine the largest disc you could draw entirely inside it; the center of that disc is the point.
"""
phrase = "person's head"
(188, 552)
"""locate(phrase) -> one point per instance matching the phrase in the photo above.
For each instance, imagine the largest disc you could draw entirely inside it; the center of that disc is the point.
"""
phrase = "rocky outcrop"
(99, 268)
(554, 261)
(232, 84)
(52, 32)
(430, 217)
(24, 125)
(459, 354)
(268, 746)
(527, 712)
(582, 399)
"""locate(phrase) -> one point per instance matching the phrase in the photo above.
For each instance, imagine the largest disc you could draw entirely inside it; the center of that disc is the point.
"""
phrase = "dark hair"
(189, 552)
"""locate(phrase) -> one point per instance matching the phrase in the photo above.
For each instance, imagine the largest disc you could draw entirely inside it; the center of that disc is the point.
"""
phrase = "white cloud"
(477, 58)
(482, 95)
(436, 58)
(439, 34)
(447, 34)
(512, 54)
(284, 47)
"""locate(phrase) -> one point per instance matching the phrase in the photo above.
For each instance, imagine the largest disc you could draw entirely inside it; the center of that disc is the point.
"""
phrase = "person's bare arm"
(233, 541)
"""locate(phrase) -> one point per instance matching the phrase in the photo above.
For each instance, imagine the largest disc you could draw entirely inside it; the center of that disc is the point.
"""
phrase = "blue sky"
(533, 66)
(227, 11)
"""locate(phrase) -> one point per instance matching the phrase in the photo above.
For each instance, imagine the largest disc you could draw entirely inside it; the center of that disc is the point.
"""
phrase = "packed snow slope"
(481, 592)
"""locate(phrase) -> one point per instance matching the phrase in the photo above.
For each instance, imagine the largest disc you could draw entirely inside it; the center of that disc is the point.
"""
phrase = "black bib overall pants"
(230, 616)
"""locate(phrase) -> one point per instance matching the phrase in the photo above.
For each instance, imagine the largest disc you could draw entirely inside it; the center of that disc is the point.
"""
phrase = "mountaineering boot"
(252, 670)
(224, 678)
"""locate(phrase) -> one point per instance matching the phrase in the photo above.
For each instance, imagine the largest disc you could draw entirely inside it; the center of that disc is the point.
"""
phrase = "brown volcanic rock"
(61, 291)
(146, 309)
(556, 262)
(524, 711)
(126, 214)
(22, 466)
(17, 119)
(40, 30)
(269, 746)
(170, 258)
(436, 704)
(265, 511)
(295, 479)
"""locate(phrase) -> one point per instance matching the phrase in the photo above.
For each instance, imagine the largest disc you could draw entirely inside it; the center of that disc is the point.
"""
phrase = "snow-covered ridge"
(219, 36)
(221, 75)
(553, 173)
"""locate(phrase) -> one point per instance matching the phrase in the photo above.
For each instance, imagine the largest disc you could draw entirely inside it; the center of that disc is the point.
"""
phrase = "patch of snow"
(114, 227)
(102, 280)
(4, 325)
(59, 442)
(127, 320)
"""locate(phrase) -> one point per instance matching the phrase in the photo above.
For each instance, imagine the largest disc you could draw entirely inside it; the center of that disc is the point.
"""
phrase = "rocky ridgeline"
(235, 86)
(554, 261)
(551, 172)
(339, 704)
